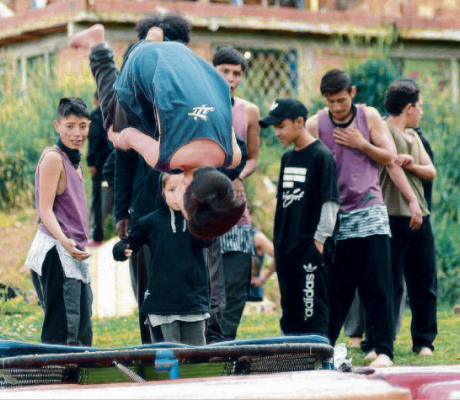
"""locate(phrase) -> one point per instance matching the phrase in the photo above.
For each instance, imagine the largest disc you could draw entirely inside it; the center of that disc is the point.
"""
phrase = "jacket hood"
(177, 221)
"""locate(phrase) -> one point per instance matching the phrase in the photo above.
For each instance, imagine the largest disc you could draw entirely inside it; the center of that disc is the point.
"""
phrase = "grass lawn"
(22, 321)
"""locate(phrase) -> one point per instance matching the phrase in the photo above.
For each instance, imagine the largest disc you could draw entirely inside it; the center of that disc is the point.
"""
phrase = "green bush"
(16, 188)
(27, 118)
(371, 79)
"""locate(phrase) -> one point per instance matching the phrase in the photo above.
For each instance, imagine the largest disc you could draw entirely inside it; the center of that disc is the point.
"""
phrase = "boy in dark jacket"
(177, 295)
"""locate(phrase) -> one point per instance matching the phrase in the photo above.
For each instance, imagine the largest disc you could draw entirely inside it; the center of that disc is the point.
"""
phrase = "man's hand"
(350, 137)
(238, 187)
(128, 252)
(119, 140)
(319, 246)
(123, 228)
(256, 281)
(71, 246)
(416, 213)
(92, 170)
(405, 161)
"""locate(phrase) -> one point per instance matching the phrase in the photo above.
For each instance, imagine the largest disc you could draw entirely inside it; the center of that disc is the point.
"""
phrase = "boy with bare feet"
(357, 136)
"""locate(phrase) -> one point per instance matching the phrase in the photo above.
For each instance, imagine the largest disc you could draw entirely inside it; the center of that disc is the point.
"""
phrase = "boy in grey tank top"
(57, 258)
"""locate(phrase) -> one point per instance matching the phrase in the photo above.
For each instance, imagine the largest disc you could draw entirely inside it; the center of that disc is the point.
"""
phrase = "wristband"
(240, 179)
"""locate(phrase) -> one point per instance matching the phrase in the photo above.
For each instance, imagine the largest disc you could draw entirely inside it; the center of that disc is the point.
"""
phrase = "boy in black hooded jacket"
(177, 295)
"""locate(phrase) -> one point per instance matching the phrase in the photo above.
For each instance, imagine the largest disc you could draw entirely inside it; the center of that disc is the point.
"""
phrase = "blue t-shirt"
(176, 97)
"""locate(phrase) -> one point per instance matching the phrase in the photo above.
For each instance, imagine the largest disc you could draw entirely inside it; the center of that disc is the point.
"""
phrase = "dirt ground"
(17, 231)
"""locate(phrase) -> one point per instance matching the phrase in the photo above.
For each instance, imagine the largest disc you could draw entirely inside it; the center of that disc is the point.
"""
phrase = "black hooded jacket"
(178, 276)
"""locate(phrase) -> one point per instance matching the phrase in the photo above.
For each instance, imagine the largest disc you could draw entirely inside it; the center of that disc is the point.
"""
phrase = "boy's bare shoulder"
(51, 159)
(248, 104)
(312, 125)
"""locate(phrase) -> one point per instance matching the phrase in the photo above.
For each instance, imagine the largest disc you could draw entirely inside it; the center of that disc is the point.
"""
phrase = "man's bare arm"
(253, 141)
(425, 170)
(398, 176)
(131, 138)
(50, 171)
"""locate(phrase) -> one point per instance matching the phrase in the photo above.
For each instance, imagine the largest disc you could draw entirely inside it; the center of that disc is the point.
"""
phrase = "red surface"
(440, 390)
(416, 378)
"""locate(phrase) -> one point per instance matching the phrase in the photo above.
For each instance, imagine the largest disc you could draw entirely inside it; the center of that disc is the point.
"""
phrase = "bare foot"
(382, 360)
(372, 355)
(425, 352)
(155, 34)
(355, 341)
(88, 38)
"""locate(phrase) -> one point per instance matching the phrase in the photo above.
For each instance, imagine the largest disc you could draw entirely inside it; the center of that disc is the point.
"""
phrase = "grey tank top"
(70, 207)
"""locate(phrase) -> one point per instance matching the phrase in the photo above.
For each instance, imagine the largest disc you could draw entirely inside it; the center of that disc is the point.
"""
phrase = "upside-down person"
(173, 108)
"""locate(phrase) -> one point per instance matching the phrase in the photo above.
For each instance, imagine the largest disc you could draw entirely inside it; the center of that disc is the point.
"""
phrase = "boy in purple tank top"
(236, 245)
(57, 258)
(360, 142)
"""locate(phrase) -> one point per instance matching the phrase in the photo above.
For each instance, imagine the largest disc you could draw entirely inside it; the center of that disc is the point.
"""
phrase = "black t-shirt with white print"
(308, 178)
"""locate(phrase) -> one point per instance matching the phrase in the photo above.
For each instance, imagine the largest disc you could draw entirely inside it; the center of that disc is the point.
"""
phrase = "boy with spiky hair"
(305, 219)
(57, 257)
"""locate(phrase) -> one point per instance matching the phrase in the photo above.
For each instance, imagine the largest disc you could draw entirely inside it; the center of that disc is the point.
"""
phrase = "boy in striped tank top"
(358, 138)
(236, 245)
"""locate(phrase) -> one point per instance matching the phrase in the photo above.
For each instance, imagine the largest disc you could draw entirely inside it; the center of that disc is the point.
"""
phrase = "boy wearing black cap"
(305, 219)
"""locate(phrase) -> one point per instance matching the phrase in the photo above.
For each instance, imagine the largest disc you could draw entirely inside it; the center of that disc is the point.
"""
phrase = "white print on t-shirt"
(200, 112)
(309, 291)
(146, 294)
(289, 197)
(292, 175)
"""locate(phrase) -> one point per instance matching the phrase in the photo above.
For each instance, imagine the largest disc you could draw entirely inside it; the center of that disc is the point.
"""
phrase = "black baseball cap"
(282, 109)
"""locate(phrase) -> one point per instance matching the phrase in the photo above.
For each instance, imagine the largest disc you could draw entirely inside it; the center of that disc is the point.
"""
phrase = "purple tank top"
(240, 127)
(69, 207)
(358, 174)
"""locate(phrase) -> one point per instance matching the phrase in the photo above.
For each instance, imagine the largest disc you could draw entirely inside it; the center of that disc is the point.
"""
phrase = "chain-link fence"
(271, 74)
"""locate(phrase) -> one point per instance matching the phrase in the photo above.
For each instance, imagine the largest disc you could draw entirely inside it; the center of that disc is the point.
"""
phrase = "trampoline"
(24, 364)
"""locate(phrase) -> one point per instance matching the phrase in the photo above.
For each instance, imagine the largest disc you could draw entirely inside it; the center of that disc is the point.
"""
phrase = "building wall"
(275, 56)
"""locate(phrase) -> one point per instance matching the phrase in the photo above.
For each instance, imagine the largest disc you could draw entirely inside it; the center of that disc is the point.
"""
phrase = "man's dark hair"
(211, 204)
(228, 55)
(175, 27)
(72, 106)
(399, 95)
(407, 80)
(335, 81)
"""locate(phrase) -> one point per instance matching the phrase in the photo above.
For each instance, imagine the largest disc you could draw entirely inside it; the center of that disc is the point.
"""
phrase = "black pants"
(413, 254)
(237, 271)
(138, 264)
(101, 206)
(364, 264)
(303, 283)
(66, 303)
(218, 301)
